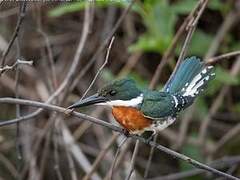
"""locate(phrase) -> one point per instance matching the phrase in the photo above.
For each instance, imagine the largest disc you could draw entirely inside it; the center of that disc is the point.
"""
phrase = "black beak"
(94, 99)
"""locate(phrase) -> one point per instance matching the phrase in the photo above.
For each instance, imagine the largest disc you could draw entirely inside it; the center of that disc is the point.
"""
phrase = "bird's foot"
(151, 137)
(126, 132)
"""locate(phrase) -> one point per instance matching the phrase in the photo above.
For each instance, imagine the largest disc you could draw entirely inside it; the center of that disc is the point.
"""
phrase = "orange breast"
(130, 118)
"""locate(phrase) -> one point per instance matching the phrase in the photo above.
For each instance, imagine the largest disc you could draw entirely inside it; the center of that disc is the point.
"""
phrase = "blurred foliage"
(72, 7)
(197, 47)
(194, 152)
(222, 77)
(159, 18)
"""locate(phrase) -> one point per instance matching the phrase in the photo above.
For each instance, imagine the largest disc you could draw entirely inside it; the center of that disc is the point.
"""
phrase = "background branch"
(22, 12)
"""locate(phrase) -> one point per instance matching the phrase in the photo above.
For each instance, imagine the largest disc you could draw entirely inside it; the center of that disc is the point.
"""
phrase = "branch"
(17, 63)
(102, 46)
(100, 69)
(230, 20)
(220, 164)
(134, 156)
(112, 127)
(216, 59)
(191, 28)
(173, 45)
(101, 156)
(23, 6)
(235, 69)
(189, 24)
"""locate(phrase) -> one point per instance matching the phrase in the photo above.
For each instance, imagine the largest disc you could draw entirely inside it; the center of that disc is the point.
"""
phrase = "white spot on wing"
(175, 100)
(204, 71)
(209, 67)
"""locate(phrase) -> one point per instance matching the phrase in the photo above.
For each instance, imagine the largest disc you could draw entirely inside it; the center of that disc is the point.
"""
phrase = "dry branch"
(114, 128)
(12, 67)
(22, 12)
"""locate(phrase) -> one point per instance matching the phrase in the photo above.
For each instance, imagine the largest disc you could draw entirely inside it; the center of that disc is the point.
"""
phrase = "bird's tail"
(191, 78)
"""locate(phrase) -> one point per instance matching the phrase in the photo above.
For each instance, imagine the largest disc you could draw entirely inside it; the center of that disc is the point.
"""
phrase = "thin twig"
(114, 128)
(217, 103)
(191, 28)
(134, 156)
(72, 168)
(101, 156)
(1, 3)
(77, 152)
(118, 159)
(50, 57)
(100, 69)
(169, 52)
(225, 27)
(228, 23)
(103, 45)
(190, 24)
(219, 164)
(233, 132)
(216, 59)
(18, 113)
(22, 7)
(76, 60)
(17, 63)
(116, 156)
(68, 79)
(57, 136)
(150, 158)
(8, 165)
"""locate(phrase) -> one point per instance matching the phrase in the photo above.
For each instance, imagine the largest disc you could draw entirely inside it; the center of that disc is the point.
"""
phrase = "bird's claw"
(126, 132)
(151, 137)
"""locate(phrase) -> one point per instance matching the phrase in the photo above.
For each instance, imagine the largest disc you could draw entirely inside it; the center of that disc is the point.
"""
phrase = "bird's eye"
(112, 92)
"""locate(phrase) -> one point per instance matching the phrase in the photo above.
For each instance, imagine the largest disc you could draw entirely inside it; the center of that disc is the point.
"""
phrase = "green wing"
(157, 105)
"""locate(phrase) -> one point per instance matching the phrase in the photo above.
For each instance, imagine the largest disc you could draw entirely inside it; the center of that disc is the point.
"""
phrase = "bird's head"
(122, 92)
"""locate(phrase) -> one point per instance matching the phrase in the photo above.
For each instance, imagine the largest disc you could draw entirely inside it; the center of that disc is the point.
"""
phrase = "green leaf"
(159, 19)
(199, 44)
(80, 5)
(225, 77)
(222, 77)
(148, 43)
(202, 108)
(184, 6)
(66, 8)
(213, 87)
(217, 5)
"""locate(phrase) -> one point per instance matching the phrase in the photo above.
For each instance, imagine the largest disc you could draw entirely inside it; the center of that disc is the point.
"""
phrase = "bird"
(139, 110)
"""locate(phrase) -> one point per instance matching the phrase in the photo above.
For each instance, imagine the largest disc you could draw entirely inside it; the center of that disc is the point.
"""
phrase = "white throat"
(129, 103)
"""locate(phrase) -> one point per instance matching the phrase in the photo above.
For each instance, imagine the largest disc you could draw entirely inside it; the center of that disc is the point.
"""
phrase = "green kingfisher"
(139, 110)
